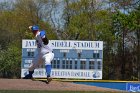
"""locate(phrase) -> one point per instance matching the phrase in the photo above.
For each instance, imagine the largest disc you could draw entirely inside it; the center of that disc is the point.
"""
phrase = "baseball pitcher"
(45, 53)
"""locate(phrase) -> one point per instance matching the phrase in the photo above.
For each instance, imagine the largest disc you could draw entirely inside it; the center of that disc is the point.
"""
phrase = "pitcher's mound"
(22, 84)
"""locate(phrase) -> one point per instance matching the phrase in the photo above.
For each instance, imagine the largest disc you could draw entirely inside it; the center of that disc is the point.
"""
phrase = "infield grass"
(44, 91)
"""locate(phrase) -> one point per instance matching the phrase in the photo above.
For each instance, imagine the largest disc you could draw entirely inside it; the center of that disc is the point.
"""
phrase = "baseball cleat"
(49, 79)
(28, 77)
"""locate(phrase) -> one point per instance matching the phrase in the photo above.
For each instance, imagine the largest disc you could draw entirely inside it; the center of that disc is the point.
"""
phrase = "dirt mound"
(21, 84)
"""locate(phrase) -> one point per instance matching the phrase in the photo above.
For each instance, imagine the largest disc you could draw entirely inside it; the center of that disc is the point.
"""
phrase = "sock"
(48, 70)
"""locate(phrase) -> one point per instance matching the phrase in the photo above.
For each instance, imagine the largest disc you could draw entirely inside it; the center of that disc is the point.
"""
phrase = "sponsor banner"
(67, 44)
(133, 87)
(65, 73)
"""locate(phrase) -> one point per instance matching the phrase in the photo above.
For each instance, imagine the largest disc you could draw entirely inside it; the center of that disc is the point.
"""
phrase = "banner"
(67, 44)
(133, 87)
(66, 73)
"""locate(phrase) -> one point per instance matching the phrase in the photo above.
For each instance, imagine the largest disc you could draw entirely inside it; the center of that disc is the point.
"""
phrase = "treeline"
(116, 22)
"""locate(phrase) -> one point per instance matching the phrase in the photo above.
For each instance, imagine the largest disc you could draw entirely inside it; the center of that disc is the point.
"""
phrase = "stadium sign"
(67, 44)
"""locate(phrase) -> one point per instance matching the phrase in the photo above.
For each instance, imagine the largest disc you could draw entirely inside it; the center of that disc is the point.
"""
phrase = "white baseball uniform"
(45, 53)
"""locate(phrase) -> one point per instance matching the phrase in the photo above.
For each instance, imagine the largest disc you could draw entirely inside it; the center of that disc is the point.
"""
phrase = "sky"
(57, 12)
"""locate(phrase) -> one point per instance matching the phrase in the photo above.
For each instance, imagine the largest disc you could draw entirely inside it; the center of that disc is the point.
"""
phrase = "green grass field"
(43, 91)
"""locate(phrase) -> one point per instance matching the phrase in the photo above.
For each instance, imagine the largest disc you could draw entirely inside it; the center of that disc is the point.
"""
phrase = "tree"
(14, 27)
(10, 61)
(125, 37)
(86, 21)
(135, 26)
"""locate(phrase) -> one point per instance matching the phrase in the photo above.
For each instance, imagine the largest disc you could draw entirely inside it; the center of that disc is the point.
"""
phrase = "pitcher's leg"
(29, 76)
(48, 70)
(31, 69)
(30, 72)
(47, 59)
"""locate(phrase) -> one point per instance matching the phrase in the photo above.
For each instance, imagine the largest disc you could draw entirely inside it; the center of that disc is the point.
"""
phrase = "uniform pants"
(42, 59)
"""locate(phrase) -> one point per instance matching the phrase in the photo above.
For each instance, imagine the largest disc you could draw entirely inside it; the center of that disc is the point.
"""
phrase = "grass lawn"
(44, 91)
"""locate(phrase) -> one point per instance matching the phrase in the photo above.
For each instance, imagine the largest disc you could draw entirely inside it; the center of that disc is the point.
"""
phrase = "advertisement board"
(65, 73)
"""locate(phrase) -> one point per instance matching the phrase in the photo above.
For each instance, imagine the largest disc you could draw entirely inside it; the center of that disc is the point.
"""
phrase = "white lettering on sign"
(28, 61)
(133, 87)
(31, 50)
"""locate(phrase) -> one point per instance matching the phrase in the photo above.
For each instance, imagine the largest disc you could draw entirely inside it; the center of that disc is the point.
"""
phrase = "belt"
(48, 52)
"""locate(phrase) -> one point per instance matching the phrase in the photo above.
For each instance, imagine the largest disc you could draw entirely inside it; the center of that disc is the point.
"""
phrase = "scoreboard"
(72, 59)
